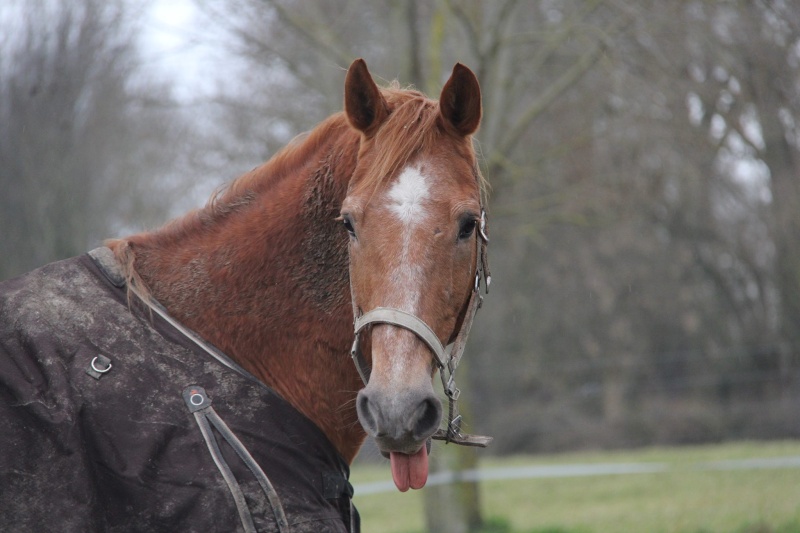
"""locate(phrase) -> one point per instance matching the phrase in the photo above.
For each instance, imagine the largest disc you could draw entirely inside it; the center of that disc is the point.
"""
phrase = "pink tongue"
(410, 471)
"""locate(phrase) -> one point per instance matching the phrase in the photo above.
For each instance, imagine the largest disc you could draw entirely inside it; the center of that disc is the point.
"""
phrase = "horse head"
(413, 213)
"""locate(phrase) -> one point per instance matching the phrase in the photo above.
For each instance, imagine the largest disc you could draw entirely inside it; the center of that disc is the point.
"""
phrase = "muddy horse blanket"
(111, 419)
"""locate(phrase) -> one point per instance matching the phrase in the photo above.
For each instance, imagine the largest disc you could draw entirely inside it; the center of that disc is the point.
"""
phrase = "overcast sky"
(178, 42)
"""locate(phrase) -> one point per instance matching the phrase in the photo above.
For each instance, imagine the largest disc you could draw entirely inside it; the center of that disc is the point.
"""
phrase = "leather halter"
(445, 358)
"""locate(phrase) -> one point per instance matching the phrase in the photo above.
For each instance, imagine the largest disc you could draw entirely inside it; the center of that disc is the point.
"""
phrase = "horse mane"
(295, 154)
(228, 198)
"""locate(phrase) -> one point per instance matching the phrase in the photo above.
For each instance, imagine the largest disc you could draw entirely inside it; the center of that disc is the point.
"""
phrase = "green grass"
(684, 499)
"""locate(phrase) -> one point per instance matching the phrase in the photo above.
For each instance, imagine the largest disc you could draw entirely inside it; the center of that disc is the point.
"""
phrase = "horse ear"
(364, 105)
(460, 102)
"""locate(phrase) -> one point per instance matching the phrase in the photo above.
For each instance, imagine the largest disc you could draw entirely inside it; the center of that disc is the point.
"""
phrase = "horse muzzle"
(399, 423)
(402, 427)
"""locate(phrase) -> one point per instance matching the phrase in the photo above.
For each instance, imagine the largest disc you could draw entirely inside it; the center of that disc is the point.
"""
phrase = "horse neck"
(265, 279)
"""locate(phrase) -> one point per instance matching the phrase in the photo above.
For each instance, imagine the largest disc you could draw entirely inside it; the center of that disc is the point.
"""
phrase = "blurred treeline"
(644, 158)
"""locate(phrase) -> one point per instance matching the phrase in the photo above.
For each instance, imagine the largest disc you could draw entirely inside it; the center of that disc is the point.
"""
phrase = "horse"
(235, 328)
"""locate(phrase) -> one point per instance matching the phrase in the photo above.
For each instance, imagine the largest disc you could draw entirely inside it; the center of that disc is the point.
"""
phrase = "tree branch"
(315, 35)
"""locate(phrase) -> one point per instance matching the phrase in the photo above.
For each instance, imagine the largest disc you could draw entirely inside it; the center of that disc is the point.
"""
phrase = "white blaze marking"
(408, 196)
(407, 200)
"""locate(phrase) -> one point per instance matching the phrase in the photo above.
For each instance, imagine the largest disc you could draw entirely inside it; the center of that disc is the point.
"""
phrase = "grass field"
(690, 495)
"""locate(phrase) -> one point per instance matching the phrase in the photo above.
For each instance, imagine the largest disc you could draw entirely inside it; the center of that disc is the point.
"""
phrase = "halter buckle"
(454, 427)
(482, 226)
(451, 390)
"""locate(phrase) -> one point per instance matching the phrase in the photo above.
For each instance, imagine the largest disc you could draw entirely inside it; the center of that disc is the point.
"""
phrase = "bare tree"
(75, 144)
(652, 229)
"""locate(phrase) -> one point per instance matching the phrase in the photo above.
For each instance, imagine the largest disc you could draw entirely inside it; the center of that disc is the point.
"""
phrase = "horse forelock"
(412, 127)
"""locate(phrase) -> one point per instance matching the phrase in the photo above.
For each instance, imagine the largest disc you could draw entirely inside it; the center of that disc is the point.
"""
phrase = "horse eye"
(348, 225)
(467, 228)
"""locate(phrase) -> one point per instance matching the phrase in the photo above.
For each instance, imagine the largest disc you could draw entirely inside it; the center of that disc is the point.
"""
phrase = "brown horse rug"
(115, 419)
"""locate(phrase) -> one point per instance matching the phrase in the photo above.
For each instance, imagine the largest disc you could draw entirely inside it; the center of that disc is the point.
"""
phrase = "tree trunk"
(453, 507)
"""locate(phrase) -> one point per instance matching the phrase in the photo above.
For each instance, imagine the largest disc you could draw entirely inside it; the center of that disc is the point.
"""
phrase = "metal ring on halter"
(98, 370)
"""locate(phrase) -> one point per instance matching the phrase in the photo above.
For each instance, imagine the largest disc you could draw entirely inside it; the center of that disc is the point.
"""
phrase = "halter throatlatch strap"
(446, 359)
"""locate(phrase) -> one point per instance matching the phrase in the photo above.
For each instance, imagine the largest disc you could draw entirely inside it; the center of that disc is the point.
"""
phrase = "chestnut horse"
(378, 207)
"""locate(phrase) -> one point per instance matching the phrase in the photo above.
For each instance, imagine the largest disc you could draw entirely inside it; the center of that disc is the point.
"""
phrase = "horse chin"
(387, 446)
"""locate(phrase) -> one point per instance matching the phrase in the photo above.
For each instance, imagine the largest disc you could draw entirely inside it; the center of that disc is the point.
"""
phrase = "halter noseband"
(445, 358)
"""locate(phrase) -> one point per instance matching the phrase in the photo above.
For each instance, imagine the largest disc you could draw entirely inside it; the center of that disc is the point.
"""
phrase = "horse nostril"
(365, 416)
(427, 417)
